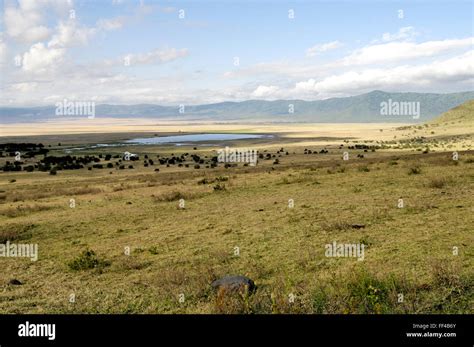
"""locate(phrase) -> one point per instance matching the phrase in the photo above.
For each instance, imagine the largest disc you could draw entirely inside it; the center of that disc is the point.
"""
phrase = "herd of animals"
(35, 157)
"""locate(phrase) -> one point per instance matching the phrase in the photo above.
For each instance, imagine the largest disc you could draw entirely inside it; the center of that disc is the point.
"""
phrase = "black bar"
(323, 330)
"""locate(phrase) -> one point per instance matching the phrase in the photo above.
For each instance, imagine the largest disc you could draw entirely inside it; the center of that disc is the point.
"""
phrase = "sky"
(196, 52)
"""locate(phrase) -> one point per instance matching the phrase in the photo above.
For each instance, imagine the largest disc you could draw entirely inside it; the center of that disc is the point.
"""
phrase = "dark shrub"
(87, 260)
(414, 170)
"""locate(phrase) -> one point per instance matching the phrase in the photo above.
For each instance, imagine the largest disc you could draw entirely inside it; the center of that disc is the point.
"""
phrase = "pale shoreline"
(126, 125)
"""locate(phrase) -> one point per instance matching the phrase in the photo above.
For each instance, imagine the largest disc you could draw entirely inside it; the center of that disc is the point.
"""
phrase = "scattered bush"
(437, 183)
(219, 187)
(153, 250)
(87, 260)
(415, 170)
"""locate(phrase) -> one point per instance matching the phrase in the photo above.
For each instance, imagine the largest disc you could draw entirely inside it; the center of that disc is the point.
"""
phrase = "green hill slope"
(459, 115)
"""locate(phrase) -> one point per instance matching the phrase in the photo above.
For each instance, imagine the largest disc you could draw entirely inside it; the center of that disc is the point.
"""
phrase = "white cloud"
(404, 33)
(70, 34)
(26, 22)
(459, 69)
(389, 53)
(265, 91)
(321, 48)
(400, 51)
(44, 58)
(453, 74)
(35, 34)
(157, 56)
(48, 72)
(35, 5)
(24, 25)
(25, 87)
(41, 59)
(3, 50)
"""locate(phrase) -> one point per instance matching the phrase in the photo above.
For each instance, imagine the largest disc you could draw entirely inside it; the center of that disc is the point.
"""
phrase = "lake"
(177, 140)
(191, 138)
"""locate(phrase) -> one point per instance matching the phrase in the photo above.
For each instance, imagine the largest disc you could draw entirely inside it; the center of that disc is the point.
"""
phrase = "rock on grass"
(234, 284)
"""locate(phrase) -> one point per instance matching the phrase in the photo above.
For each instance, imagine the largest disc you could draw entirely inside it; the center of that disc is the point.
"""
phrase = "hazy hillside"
(357, 109)
(463, 114)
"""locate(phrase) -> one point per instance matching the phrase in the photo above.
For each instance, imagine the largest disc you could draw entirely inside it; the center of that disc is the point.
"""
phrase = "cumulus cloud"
(393, 62)
(120, 88)
(321, 48)
(265, 92)
(157, 56)
(41, 59)
(26, 23)
(387, 53)
(47, 57)
(70, 34)
(400, 51)
(459, 69)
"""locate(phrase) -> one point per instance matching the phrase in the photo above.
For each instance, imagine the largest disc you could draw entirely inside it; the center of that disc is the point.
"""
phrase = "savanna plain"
(187, 223)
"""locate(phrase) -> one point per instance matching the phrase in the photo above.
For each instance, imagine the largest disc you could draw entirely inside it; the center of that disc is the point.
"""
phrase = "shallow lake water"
(183, 139)
(177, 140)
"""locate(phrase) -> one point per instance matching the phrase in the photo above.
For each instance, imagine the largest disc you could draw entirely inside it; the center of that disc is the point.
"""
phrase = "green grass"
(182, 250)
(462, 114)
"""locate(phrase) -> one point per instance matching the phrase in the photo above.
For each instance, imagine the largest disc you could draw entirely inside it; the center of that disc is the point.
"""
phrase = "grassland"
(174, 251)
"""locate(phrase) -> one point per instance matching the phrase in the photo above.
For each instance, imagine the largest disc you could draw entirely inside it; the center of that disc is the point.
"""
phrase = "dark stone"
(234, 284)
(358, 226)
(15, 282)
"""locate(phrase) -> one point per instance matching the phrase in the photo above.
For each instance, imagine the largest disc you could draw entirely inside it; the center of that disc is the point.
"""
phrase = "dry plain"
(237, 220)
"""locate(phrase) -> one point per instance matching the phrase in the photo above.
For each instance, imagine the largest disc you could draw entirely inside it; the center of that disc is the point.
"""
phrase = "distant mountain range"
(364, 108)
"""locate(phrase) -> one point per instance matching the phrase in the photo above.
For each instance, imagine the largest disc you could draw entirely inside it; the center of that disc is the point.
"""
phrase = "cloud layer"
(39, 58)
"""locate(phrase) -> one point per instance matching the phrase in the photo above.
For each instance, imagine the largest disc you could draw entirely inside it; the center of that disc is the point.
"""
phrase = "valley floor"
(271, 223)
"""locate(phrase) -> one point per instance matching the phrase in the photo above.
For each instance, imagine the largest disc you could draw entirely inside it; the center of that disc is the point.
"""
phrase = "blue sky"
(120, 51)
